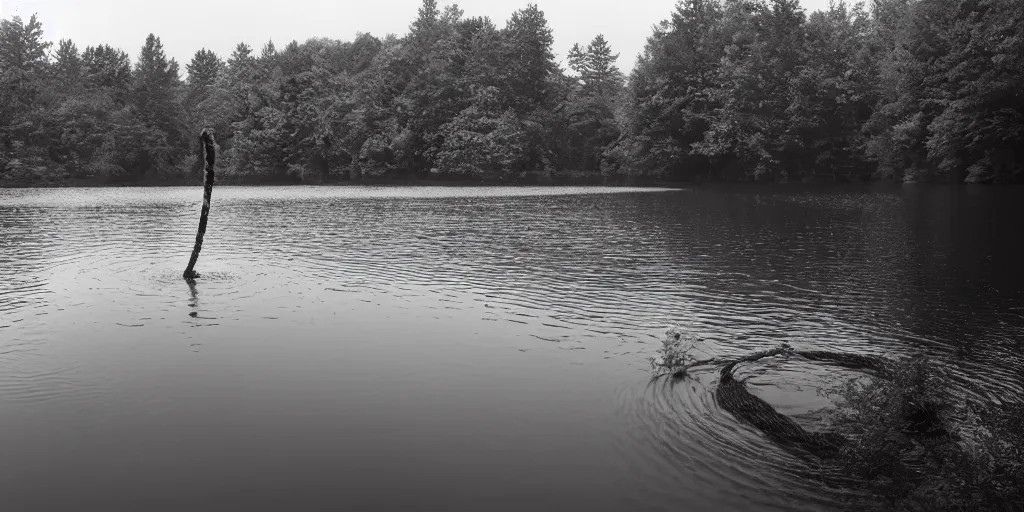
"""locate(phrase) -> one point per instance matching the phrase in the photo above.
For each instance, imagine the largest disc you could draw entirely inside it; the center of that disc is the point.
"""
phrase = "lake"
(370, 348)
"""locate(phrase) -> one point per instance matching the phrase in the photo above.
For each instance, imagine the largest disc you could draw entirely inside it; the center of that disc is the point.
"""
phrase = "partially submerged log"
(873, 364)
(732, 395)
(905, 433)
(207, 142)
(783, 349)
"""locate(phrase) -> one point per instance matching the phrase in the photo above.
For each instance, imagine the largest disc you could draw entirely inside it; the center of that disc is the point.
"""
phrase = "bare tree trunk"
(206, 140)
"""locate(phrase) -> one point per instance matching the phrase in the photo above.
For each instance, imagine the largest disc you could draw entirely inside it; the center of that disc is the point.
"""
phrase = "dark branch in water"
(733, 396)
(905, 435)
(207, 143)
(782, 349)
(852, 361)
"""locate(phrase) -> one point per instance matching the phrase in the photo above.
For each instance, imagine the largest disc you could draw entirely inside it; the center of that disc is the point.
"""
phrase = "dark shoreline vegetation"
(527, 179)
(731, 90)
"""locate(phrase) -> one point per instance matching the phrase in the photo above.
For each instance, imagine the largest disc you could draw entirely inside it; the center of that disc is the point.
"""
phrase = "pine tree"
(578, 60)
(602, 74)
(528, 58)
(426, 19)
(204, 68)
(23, 67)
(152, 69)
(22, 48)
(588, 109)
(240, 58)
(159, 115)
(23, 59)
(269, 53)
(67, 65)
(154, 80)
(452, 14)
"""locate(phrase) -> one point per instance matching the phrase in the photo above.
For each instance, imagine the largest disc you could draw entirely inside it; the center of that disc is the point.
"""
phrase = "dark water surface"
(469, 348)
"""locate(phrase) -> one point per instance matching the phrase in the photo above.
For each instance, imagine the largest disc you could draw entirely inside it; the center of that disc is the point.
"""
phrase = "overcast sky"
(185, 26)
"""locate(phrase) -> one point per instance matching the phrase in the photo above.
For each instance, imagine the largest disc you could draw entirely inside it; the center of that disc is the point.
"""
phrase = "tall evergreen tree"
(155, 81)
(268, 55)
(204, 68)
(670, 101)
(23, 69)
(67, 65)
(528, 58)
(426, 19)
(589, 108)
(601, 72)
(154, 74)
(23, 58)
(240, 57)
(22, 49)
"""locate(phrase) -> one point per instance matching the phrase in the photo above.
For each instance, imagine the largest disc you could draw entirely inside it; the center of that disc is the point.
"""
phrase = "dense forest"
(725, 90)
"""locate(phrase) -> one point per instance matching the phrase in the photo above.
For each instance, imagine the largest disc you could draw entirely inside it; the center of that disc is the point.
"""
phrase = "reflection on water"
(466, 347)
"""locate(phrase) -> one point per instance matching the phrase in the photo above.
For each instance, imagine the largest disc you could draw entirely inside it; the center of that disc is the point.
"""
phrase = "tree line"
(725, 90)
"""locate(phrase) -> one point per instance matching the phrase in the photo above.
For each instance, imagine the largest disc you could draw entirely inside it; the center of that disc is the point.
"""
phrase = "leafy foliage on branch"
(920, 446)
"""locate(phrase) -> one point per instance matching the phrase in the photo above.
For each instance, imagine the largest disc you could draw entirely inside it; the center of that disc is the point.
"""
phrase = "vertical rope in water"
(206, 140)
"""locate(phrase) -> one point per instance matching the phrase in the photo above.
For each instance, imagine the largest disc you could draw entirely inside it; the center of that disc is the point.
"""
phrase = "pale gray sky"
(185, 26)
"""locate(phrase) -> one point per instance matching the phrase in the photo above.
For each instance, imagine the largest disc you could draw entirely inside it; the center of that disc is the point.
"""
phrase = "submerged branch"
(846, 360)
(680, 371)
(906, 435)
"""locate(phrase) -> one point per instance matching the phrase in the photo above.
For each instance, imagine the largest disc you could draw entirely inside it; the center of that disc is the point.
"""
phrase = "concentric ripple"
(491, 339)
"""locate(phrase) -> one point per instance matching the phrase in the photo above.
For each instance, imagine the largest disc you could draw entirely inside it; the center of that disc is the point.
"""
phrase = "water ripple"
(93, 308)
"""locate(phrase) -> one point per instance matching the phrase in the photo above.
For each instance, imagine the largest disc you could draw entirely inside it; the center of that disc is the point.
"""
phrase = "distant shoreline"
(796, 185)
(362, 183)
(634, 183)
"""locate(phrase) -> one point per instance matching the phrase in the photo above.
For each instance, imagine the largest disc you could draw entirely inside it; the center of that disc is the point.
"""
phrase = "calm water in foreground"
(466, 349)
